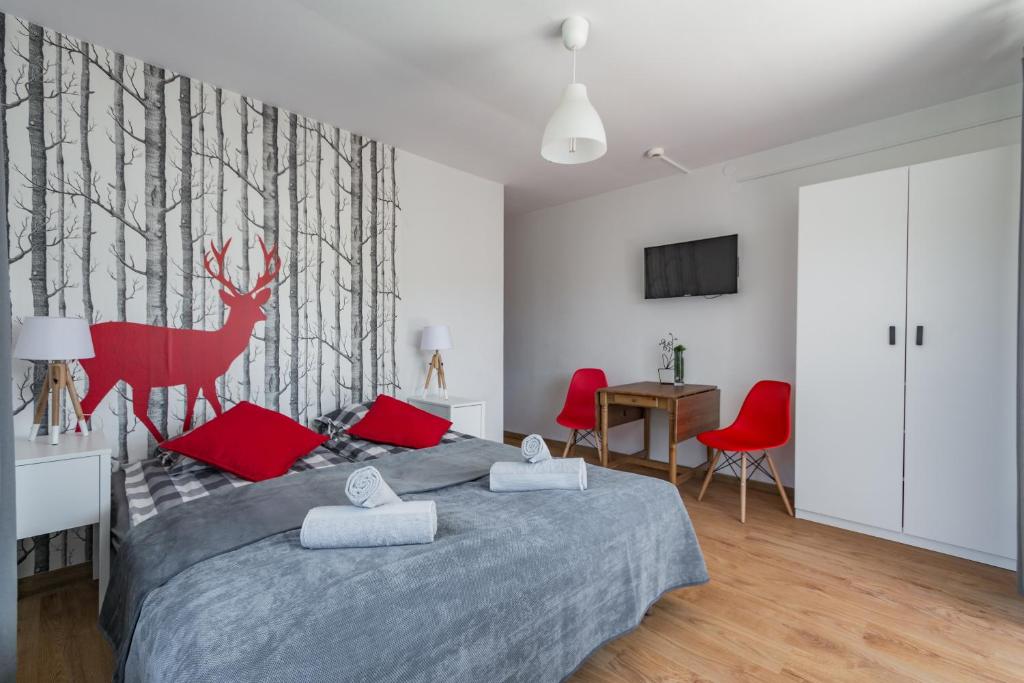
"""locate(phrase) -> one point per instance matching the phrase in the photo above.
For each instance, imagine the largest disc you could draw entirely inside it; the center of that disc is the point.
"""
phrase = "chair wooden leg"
(778, 484)
(569, 443)
(709, 475)
(743, 488)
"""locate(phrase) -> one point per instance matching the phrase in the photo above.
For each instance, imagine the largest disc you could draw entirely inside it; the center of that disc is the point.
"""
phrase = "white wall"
(574, 273)
(452, 274)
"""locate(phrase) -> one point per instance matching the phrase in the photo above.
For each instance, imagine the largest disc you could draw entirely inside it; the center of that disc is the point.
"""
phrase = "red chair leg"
(569, 444)
(743, 488)
(778, 484)
(709, 475)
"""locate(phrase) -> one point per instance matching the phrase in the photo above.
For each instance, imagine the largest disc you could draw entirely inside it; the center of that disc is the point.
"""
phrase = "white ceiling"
(470, 83)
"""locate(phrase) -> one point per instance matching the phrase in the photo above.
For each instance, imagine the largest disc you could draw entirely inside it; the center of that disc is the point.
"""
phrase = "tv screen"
(697, 268)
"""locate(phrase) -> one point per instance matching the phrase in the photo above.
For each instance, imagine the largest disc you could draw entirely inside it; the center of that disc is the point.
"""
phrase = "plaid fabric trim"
(158, 484)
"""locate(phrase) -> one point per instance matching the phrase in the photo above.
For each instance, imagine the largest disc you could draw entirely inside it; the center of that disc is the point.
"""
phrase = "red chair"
(578, 413)
(763, 423)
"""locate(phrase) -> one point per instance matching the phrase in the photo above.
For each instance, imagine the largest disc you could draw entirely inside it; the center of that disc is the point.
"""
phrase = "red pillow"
(250, 441)
(396, 422)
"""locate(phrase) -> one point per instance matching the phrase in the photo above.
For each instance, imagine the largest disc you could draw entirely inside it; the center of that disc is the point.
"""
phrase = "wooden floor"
(57, 635)
(788, 600)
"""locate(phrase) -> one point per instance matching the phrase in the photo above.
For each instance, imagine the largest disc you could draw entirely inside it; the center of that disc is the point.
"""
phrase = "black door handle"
(920, 335)
(892, 335)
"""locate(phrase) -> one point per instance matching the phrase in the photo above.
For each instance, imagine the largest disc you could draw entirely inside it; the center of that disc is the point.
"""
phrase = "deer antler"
(219, 276)
(271, 265)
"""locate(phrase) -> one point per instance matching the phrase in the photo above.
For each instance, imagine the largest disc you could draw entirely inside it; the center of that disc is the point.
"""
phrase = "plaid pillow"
(350, 414)
(337, 421)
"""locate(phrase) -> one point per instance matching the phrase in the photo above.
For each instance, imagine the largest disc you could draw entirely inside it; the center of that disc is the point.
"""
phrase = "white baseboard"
(916, 541)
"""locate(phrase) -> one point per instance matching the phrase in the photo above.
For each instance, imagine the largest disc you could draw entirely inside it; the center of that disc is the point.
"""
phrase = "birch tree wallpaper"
(137, 195)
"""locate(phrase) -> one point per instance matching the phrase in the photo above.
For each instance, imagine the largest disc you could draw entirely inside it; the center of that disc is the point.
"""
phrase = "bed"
(211, 584)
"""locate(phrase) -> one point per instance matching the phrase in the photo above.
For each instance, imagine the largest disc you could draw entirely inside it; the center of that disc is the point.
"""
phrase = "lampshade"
(54, 339)
(436, 338)
(574, 134)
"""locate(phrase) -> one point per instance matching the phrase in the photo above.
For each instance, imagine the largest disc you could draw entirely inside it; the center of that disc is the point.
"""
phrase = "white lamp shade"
(436, 338)
(54, 339)
(574, 134)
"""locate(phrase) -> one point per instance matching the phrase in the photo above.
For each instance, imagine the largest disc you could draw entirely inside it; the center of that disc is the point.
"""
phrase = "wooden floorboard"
(57, 636)
(788, 600)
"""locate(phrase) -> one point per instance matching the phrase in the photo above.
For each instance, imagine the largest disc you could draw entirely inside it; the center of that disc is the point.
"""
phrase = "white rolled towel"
(564, 473)
(534, 449)
(346, 526)
(366, 488)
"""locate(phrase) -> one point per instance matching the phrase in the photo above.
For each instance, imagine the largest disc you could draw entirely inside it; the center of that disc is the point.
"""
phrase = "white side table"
(65, 486)
(466, 414)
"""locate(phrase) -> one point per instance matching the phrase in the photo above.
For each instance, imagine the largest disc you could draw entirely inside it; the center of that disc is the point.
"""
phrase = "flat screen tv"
(698, 268)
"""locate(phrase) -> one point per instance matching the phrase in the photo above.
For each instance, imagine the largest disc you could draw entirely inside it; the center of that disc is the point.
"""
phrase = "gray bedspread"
(517, 586)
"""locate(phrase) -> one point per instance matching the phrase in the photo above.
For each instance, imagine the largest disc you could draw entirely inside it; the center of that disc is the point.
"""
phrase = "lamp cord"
(572, 141)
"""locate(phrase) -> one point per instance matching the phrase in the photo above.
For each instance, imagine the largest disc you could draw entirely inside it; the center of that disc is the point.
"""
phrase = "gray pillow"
(334, 423)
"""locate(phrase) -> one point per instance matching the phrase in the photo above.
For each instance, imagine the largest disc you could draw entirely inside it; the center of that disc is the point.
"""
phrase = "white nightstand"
(66, 486)
(466, 414)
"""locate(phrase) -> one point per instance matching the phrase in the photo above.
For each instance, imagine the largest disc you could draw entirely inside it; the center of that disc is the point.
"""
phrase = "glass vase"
(678, 366)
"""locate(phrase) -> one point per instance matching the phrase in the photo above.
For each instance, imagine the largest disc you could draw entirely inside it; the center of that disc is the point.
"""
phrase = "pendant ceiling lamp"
(574, 134)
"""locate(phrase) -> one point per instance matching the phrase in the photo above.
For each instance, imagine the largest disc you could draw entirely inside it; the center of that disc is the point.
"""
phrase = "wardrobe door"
(851, 305)
(960, 476)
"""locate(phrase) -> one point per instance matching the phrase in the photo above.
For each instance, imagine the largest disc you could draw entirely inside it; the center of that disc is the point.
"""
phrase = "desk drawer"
(630, 400)
(52, 496)
(618, 415)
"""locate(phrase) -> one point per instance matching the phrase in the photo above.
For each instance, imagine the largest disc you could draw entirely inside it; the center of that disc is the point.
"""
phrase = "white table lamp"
(436, 338)
(56, 340)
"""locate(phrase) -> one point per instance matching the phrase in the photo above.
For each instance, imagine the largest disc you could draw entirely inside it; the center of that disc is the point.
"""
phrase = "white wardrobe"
(906, 354)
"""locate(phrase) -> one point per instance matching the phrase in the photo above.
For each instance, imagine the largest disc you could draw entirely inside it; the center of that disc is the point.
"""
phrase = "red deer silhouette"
(147, 356)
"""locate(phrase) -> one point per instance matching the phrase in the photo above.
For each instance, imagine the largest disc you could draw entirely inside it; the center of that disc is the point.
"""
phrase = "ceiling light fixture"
(574, 134)
(659, 153)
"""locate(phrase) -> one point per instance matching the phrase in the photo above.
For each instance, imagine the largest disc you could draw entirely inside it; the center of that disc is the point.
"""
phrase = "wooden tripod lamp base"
(58, 379)
(436, 365)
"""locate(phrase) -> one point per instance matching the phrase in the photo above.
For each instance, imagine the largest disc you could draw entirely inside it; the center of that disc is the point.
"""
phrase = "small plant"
(668, 348)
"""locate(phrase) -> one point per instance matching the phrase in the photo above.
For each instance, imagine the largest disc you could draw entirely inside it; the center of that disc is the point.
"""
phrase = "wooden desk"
(691, 408)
